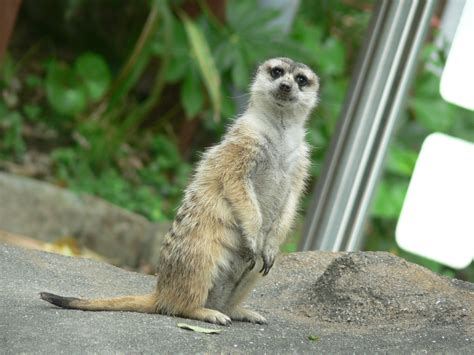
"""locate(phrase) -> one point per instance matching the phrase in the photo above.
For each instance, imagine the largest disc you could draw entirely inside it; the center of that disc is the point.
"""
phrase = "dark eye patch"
(276, 72)
(301, 80)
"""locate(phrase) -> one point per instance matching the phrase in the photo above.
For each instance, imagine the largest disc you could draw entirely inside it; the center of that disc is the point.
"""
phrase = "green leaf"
(308, 35)
(225, 53)
(332, 97)
(180, 46)
(228, 105)
(64, 90)
(251, 19)
(389, 199)
(33, 80)
(316, 138)
(8, 69)
(332, 57)
(32, 111)
(178, 52)
(401, 161)
(3, 109)
(205, 62)
(121, 87)
(427, 86)
(177, 70)
(433, 114)
(191, 94)
(195, 328)
(240, 72)
(93, 70)
(12, 138)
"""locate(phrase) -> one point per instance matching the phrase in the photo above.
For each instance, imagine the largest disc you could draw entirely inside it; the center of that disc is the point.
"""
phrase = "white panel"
(437, 218)
(458, 75)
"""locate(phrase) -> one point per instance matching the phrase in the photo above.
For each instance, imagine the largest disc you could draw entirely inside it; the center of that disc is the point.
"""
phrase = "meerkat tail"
(140, 303)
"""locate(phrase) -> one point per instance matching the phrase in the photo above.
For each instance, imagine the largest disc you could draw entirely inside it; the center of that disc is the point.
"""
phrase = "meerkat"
(237, 209)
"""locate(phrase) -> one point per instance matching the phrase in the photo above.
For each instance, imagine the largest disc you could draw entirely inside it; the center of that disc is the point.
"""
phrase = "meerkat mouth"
(282, 99)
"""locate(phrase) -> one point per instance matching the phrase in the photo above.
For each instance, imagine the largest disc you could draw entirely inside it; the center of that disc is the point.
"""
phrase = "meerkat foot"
(208, 315)
(247, 315)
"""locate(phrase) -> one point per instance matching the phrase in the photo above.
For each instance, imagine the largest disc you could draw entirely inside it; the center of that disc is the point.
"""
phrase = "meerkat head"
(284, 84)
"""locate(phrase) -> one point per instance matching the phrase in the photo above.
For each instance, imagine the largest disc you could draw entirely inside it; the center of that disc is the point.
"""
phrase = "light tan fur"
(236, 211)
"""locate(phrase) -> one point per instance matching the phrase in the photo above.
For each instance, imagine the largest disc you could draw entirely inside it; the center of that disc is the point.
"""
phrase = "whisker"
(238, 96)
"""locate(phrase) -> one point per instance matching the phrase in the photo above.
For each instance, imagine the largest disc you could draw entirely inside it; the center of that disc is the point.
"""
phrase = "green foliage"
(108, 184)
(392, 190)
(179, 66)
(205, 62)
(70, 90)
(192, 98)
(248, 38)
(401, 161)
(158, 187)
(65, 92)
(389, 199)
(12, 140)
(11, 118)
(95, 74)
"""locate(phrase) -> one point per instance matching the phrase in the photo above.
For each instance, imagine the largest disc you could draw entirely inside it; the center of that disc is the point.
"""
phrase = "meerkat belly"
(272, 183)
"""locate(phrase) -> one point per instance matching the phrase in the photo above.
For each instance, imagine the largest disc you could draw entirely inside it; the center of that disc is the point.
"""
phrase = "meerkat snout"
(285, 86)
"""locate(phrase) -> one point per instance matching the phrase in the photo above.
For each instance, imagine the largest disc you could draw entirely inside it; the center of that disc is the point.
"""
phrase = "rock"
(315, 302)
(368, 287)
(46, 212)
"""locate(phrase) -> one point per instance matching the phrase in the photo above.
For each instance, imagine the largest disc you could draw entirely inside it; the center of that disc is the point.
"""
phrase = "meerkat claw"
(267, 265)
(268, 269)
(252, 263)
(251, 258)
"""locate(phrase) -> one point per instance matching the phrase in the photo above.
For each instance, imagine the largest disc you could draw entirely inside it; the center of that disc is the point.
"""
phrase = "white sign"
(437, 218)
(458, 73)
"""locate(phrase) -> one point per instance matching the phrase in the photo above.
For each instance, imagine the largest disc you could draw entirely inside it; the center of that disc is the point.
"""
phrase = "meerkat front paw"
(249, 253)
(268, 256)
(250, 257)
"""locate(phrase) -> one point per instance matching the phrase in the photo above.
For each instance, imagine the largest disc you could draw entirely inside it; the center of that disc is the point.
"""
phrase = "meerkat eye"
(302, 80)
(276, 72)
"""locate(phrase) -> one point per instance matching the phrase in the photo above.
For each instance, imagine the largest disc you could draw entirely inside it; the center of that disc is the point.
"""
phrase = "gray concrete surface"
(348, 303)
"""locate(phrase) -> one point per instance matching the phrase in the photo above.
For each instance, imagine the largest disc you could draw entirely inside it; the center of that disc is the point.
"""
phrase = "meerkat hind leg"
(207, 315)
(241, 291)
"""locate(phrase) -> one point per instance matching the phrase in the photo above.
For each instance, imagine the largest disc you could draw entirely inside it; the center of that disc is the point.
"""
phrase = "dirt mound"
(369, 287)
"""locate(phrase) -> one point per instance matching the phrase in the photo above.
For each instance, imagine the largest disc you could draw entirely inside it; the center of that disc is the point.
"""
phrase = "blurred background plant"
(118, 98)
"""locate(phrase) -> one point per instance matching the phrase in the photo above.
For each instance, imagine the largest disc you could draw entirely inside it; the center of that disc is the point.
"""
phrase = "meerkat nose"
(286, 87)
